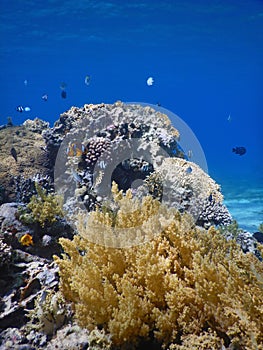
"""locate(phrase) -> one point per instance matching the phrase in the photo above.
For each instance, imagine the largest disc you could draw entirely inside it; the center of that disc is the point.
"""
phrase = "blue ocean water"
(206, 58)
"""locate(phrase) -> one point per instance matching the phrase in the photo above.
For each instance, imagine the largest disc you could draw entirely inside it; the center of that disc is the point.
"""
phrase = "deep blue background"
(206, 58)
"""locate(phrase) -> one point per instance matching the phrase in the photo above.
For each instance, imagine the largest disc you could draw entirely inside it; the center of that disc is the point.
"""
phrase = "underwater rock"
(37, 125)
(258, 236)
(5, 253)
(26, 188)
(21, 282)
(16, 222)
(31, 157)
(11, 228)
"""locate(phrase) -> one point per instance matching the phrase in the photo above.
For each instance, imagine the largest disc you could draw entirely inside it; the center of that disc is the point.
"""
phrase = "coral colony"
(130, 241)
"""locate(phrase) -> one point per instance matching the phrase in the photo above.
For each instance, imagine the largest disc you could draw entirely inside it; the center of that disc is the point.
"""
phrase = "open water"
(206, 59)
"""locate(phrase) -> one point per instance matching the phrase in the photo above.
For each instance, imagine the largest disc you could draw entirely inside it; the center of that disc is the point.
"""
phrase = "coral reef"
(36, 125)
(99, 147)
(185, 284)
(105, 132)
(174, 282)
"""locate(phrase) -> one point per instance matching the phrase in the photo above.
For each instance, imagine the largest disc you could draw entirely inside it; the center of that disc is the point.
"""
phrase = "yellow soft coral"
(45, 207)
(183, 285)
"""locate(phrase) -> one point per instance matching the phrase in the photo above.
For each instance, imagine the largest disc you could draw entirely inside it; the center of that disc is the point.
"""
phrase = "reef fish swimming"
(87, 80)
(26, 240)
(63, 94)
(150, 81)
(239, 150)
(13, 153)
(44, 97)
(21, 109)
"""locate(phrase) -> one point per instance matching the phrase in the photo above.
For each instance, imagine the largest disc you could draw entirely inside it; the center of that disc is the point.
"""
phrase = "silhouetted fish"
(239, 150)
(20, 109)
(63, 94)
(13, 153)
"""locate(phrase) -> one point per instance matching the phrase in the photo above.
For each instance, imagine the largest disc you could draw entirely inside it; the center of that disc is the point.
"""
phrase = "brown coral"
(184, 284)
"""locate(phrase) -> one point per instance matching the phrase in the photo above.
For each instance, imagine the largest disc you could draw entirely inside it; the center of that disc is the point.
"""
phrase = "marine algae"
(184, 287)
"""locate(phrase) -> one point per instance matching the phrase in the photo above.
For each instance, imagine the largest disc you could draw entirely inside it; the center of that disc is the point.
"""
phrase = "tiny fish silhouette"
(63, 94)
(13, 153)
(239, 150)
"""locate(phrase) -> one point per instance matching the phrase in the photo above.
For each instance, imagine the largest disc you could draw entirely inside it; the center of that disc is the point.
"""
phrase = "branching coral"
(184, 284)
(45, 207)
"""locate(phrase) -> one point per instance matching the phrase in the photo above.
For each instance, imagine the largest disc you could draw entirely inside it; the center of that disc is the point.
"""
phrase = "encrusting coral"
(183, 287)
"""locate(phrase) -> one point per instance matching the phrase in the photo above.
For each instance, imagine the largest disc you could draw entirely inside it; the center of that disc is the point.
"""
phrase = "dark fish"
(63, 94)
(20, 109)
(239, 150)
(210, 198)
(13, 153)
(44, 97)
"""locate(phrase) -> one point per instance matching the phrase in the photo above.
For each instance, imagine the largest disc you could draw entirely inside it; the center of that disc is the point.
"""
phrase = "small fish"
(20, 109)
(25, 82)
(75, 150)
(87, 80)
(44, 97)
(63, 94)
(210, 198)
(150, 81)
(63, 85)
(26, 240)
(188, 170)
(13, 153)
(239, 150)
(190, 154)
(229, 118)
(27, 109)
